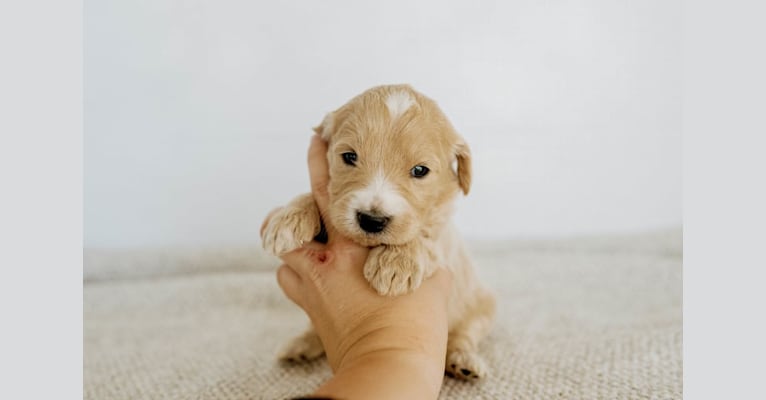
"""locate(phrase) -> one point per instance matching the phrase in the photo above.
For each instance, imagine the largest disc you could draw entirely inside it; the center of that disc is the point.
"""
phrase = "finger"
(268, 218)
(319, 172)
(291, 283)
(305, 259)
(320, 177)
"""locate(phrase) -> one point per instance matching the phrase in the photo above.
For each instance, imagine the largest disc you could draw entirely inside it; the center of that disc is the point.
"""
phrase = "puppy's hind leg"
(305, 347)
(463, 359)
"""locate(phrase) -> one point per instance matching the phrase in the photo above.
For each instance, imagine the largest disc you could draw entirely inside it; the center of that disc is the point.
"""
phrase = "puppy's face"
(395, 166)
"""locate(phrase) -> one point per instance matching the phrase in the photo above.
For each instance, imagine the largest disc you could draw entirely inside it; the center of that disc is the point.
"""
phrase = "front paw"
(288, 229)
(393, 271)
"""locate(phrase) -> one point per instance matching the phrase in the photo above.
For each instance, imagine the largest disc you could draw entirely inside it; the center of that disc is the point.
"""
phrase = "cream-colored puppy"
(396, 166)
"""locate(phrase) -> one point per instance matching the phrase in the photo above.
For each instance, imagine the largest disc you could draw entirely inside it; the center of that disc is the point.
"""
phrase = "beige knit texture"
(581, 318)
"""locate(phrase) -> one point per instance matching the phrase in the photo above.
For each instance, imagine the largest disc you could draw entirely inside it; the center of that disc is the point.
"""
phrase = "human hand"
(358, 327)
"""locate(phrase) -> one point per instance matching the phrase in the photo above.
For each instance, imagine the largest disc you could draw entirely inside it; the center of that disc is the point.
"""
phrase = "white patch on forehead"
(379, 195)
(398, 103)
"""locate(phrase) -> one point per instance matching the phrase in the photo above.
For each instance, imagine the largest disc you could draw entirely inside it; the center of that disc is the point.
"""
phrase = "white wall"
(197, 114)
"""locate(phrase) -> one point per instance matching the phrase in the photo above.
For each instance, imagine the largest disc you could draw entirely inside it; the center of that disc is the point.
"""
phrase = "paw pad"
(304, 348)
(464, 365)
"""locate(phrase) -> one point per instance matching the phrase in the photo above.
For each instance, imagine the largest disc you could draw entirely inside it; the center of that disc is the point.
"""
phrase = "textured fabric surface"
(580, 318)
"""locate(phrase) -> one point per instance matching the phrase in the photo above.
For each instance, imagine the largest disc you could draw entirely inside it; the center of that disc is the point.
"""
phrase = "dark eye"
(349, 158)
(419, 171)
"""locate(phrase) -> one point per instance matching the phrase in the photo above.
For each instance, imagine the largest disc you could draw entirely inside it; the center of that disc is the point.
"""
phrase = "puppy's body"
(393, 181)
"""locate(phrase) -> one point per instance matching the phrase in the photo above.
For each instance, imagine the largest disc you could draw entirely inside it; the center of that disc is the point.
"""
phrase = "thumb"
(319, 172)
(319, 175)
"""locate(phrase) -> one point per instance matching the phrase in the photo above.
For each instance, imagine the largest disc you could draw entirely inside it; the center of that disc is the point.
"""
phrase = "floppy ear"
(324, 130)
(463, 155)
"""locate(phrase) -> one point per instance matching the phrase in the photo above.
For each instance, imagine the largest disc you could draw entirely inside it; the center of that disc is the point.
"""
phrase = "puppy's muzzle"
(372, 223)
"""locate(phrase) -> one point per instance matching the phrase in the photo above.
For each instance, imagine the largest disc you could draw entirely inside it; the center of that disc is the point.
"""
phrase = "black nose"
(371, 223)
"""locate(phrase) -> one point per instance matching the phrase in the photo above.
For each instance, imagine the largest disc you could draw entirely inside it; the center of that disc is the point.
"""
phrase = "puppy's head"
(396, 164)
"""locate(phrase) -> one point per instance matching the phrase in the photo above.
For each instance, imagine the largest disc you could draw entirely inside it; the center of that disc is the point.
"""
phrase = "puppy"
(396, 166)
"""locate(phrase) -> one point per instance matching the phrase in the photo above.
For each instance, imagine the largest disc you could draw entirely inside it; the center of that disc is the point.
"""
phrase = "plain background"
(197, 114)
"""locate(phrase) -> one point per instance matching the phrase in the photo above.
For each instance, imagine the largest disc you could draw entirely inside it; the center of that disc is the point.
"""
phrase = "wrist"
(387, 373)
(400, 335)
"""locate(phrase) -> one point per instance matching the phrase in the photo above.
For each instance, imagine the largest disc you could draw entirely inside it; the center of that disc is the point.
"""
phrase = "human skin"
(378, 347)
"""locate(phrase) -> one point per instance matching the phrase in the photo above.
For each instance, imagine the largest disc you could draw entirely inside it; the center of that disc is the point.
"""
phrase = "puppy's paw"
(303, 348)
(288, 229)
(467, 365)
(393, 270)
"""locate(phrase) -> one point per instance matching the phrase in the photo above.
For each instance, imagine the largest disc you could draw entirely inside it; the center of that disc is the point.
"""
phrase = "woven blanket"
(578, 318)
